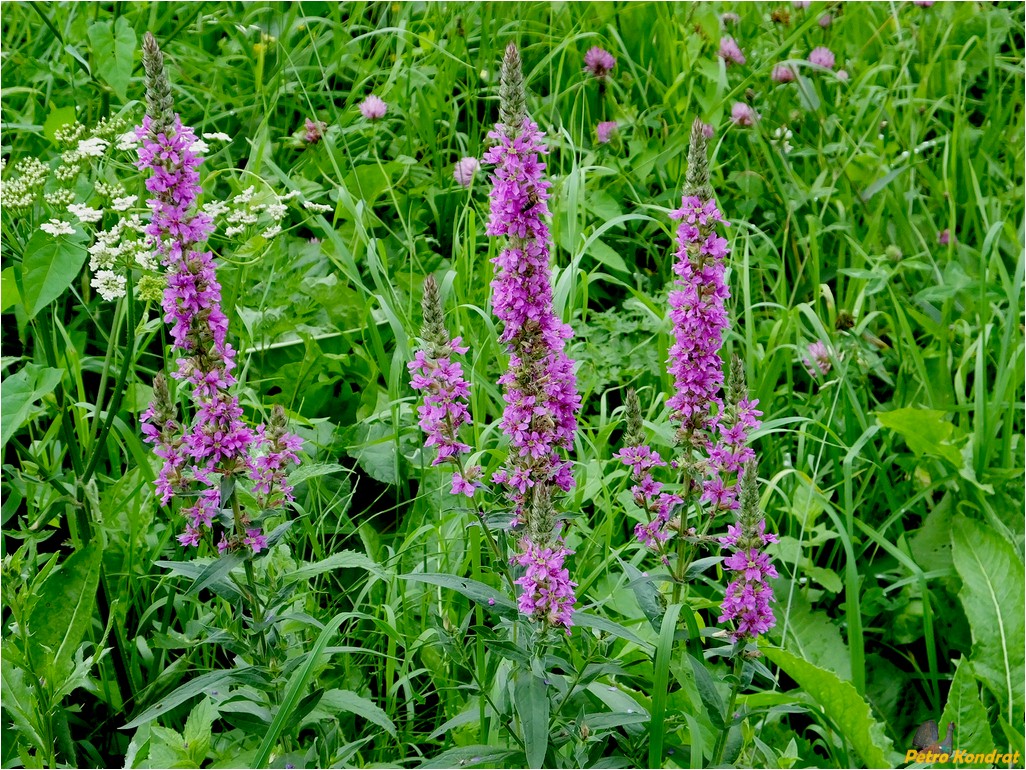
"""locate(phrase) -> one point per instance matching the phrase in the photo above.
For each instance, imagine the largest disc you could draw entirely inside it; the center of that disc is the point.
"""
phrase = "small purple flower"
(256, 540)
(822, 57)
(708, 131)
(842, 75)
(923, 3)
(825, 20)
(743, 115)
(465, 169)
(313, 130)
(944, 237)
(373, 108)
(444, 409)
(598, 62)
(818, 359)
(604, 131)
(782, 73)
(730, 51)
(801, 3)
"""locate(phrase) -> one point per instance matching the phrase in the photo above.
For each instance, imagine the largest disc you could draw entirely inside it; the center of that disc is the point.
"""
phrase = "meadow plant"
(373, 107)
(202, 459)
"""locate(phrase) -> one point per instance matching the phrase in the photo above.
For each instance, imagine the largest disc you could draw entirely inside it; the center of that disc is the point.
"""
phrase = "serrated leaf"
(842, 703)
(992, 596)
(19, 392)
(113, 51)
(51, 263)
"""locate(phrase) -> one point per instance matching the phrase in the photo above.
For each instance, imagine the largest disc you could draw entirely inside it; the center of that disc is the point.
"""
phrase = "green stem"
(728, 719)
(258, 613)
(119, 386)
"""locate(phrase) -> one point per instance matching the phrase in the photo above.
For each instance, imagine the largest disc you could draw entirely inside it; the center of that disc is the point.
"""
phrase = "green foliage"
(380, 628)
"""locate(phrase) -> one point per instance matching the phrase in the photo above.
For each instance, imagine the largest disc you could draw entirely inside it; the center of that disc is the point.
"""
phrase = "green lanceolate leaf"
(51, 263)
(992, 596)
(63, 611)
(532, 703)
(848, 711)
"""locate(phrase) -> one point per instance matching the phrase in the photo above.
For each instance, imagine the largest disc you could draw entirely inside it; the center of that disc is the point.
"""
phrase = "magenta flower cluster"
(699, 315)
(748, 596)
(730, 453)
(444, 410)
(548, 591)
(540, 388)
(648, 494)
(218, 440)
(730, 51)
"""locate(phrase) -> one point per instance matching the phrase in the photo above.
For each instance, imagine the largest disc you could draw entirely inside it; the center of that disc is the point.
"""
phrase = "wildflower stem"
(735, 689)
(119, 387)
(258, 614)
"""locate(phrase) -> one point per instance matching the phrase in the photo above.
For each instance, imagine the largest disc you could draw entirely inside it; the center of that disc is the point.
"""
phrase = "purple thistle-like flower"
(730, 51)
(604, 131)
(313, 130)
(822, 56)
(782, 73)
(465, 169)
(548, 591)
(743, 115)
(373, 107)
(818, 359)
(598, 62)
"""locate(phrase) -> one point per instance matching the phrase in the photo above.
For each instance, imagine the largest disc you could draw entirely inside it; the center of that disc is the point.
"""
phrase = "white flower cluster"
(249, 208)
(115, 252)
(57, 227)
(782, 136)
(21, 192)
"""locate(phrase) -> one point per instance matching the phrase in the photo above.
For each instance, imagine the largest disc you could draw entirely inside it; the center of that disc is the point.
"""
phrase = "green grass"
(837, 240)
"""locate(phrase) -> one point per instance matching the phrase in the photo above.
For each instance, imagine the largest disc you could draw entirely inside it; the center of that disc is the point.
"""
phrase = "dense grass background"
(895, 481)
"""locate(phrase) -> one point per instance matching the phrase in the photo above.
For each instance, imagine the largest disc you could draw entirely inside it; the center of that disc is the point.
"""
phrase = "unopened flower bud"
(697, 179)
(512, 95)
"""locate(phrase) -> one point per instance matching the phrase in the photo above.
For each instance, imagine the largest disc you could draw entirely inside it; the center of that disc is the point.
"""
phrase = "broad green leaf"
(992, 596)
(334, 701)
(197, 732)
(9, 294)
(19, 392)
(812, 637)
(966, 710)
(532, 702)
(925, 431)
(58, 117)
(63, 611)
(50, 265)
(113, 51)
(843, 704)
